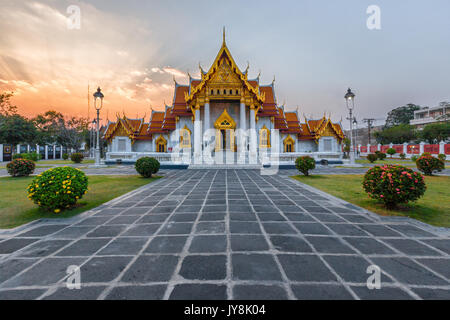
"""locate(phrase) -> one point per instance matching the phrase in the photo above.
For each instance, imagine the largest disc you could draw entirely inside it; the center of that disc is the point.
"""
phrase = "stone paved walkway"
(225, 234)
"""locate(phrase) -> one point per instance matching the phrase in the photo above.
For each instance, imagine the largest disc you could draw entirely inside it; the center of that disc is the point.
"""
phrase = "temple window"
(327, 147)
(231, 91)
(237, 92)
(264, 137)
(185, 138)
(212, 92)
(288, 144)
(161, 144)
(121, 145)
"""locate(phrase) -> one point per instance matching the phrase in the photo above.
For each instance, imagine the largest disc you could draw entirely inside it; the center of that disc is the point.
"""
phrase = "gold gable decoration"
(225, 121)
(224, 80)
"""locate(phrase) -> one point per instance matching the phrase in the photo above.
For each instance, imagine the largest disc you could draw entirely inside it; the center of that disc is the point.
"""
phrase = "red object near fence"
(363, 149)
(398, 148)
(413, 149)
(373, 149)
(431, 148)
(384, 148)
(447, 149)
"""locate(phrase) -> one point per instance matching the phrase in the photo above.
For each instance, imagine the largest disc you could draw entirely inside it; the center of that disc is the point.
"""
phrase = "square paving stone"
(160, 209)
(166, 244)
(346, 229)
(14, 244)
(43, 248)
(141, 230)
(245, 227)
(439, 265)
(321, 292)
(432, 294)
(212, 216)
(188, 209)
(326, 217)
(72, 232)
(153, 218)
(369, 245)
(84, 293)
(411, 247)
(305, 268)
(123, 220)
(270, 217)
(259, 292)
(29, 294)
(329, 245)
(239, 209)
(290, 209)
(153, 292)
(379, 230)
(199, 292)
(11, 267)
(243, 216)
(187, 217)
(124, 246)
(103, 269)
(248, 243)
(210, 227)
(356, 218)
(106, 231)
(384, 293)
(278, 228)
(408, 271)
(93, 221)
(299, 216)
(441, 244)
(83, 247)
(312, 228)
(109, 211)
(43, 231)
(290, 244)
(352, 268)
(265, 209)
(177, 228)
(208, 244)
(151, 269)
(204, 267)
(255, 267)
(410, 231)
(47, 272)
(135, 211)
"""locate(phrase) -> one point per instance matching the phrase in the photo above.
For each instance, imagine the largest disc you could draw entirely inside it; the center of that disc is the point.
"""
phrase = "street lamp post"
(92, 150)
(350, 100)
(98, 103)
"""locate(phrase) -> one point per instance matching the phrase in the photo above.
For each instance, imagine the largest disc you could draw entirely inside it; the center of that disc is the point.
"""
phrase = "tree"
(435, 132)
(397, 135)
(401, 115)
(48, 125)
(391, 151)
(72, 133)
(15, 129)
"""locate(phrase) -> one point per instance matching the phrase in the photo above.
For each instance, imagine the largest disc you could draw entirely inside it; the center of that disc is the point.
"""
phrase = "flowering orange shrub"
(58, 188)
(393, 184)
(427, 164)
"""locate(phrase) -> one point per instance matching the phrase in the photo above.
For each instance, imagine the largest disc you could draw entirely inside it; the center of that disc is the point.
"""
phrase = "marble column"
(242, 134)
(197, 136)
(253, 142)
(207, 117)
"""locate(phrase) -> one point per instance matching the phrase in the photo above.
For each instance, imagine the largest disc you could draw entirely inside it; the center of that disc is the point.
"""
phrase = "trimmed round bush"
(393, 184)
(372, 157)
(65, 156)
(76, 157)
(380, 155)
(391, 151)
(428, 164)
(146, 166)
(58, 188)
(304, 164)
(402, 156)
(20, 167)
(34, 156)
(442, 156)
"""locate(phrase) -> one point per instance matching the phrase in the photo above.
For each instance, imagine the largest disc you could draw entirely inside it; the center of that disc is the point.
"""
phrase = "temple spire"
(223, 42)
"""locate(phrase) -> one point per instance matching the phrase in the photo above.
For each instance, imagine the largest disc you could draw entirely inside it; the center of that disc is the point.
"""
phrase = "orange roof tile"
(292, 122)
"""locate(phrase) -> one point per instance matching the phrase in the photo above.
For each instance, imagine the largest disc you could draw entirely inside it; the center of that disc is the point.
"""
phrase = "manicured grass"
(16, 209)
(61, 161)
(406, 163)
(433, 208)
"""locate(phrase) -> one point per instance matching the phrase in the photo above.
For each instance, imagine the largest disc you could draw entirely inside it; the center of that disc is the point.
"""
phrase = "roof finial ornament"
(273, 81)
(223, 42)
(175, 81)
(246, 69)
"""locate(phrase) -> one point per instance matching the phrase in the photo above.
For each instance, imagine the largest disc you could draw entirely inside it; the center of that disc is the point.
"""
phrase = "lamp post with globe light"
(98, 103)
(350, 100)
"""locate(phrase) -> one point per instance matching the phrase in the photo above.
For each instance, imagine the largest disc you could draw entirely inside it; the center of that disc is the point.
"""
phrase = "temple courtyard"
(225, 234)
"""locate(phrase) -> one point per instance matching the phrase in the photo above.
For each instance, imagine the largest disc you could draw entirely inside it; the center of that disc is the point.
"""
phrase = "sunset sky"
(315, 49)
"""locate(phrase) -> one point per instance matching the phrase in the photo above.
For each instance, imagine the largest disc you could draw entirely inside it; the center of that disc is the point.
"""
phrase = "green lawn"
(406, 163)
(16, 209)
(433, 208)
(61, 161)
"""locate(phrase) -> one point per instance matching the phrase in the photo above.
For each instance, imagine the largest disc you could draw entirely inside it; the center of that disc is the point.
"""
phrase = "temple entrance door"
(225, 139)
